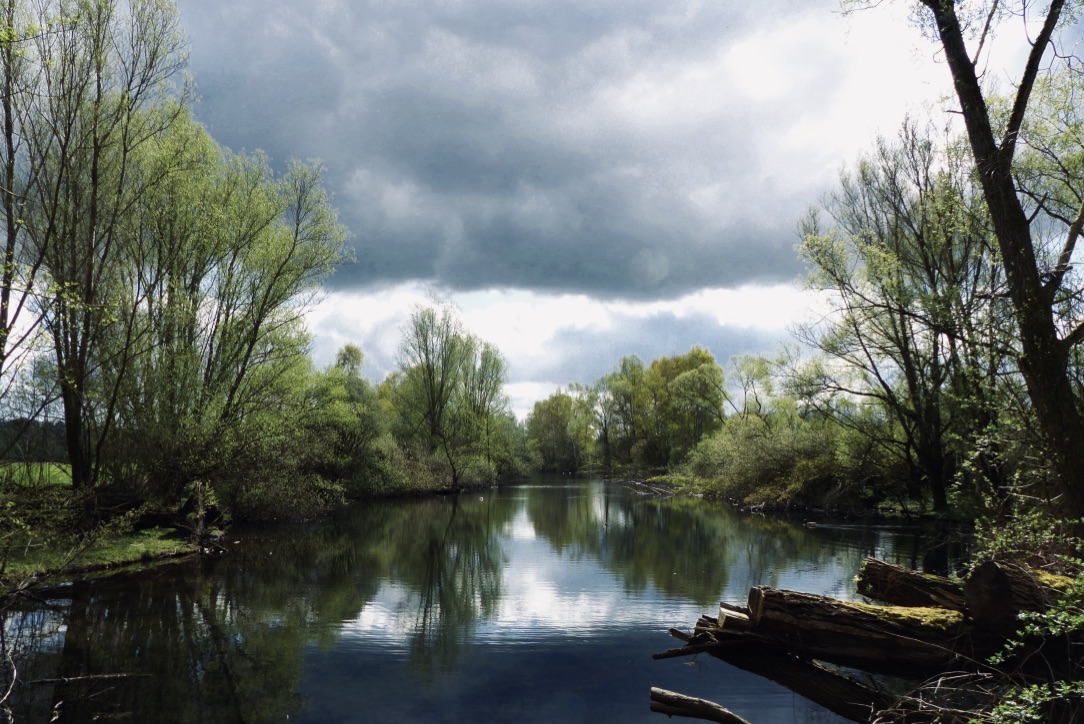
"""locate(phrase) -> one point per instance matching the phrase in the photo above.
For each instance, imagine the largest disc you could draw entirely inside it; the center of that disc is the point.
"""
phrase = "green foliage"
(914, 330)
(561, 430)
(1031, 536)
(773, 458)
(447, 399)
(651, 417)
(1054, 636)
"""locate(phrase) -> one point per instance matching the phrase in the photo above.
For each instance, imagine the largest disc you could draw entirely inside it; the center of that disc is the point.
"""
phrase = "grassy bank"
(31, 559)
(42, 532)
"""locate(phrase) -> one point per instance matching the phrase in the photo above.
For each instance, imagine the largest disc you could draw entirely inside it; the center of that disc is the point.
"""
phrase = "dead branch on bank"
(674, 704)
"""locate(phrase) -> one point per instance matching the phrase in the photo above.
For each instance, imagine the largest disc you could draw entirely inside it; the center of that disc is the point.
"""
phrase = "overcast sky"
(584, 179)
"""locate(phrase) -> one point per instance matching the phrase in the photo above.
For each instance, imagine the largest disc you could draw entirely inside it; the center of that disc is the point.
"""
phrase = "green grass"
(36, 474)
(54, 557)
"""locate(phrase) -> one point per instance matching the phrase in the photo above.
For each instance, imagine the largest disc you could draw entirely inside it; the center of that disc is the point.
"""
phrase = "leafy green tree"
(448, 394)
(1036, 281)
(771, 451)
(560, 428)
(346, 431)
(349, 359)
(223, 260)
(99, 96)
(911, 278)
(20, 279)
(627, 408)
(686, 402)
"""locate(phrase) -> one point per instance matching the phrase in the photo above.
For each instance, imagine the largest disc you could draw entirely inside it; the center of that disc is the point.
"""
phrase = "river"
(534, 603)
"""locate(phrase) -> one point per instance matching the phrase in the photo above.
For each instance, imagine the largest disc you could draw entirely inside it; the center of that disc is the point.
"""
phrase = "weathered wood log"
(898, 640)
(831, 689)
(996, 592)
(899, 586)
(674, 704)
(734, 618)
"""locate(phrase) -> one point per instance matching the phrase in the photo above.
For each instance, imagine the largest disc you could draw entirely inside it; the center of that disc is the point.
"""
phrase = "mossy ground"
(38, 560)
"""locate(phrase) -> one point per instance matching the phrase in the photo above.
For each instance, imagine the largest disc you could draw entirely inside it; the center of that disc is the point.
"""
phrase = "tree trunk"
(899, 586)
(881, 639)
(1044, 362)
(997, 592)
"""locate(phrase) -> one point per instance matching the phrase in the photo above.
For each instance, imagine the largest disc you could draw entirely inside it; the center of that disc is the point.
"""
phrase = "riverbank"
(38, 561)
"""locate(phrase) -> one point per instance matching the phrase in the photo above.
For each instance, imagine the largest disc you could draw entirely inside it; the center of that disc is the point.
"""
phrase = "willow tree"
(449, 389)
(20, 264)
(100, 95)
(1036, 277)
(914, 286)
(221, 260)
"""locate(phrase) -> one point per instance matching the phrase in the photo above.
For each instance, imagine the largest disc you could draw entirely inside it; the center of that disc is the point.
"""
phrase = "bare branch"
(1027, 82)
(1062, 267)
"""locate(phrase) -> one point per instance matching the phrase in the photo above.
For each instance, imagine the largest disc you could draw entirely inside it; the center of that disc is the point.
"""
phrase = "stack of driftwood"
(839, 654)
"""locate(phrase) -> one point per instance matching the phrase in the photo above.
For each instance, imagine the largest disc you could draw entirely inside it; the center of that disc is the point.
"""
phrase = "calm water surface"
(539, 603)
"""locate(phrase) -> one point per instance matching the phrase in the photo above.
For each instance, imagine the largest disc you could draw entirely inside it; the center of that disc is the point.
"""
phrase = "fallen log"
(788, 636)
(674, 704)
(899, 586)
(831, 689)
(898, 640)
(997, 592)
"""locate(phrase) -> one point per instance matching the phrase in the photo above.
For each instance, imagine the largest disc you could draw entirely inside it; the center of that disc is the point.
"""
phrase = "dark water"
(540, 603)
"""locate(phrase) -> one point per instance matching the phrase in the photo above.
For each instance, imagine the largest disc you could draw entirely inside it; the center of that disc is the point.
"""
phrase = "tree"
(349, 359)
(628, 406)
(561, 429)
(1034, 281)
(449, 390)
(221, 261)
(687, 401)
(20, 265)
(100, 95)
(911, 278)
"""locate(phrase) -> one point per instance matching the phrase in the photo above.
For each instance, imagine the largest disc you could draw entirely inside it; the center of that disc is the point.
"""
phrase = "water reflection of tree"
(450, 559)
(191, 644)
(694, 548)
(226, 642)
(681, 546)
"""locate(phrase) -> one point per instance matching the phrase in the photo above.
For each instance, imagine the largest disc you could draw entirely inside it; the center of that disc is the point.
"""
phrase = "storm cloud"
(629, 149)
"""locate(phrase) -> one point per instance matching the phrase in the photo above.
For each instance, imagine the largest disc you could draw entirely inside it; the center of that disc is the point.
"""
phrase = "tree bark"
(899, 586)
(997, 592)
(881, 639)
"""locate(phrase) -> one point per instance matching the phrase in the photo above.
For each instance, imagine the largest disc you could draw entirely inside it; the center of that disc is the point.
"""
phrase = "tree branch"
(1027, 82)
(1058, 275)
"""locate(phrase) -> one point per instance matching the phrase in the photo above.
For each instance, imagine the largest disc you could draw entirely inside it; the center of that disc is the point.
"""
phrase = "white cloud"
(527, 326)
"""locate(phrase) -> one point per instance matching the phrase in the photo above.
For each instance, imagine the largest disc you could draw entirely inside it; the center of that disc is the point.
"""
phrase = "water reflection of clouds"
(543, 595)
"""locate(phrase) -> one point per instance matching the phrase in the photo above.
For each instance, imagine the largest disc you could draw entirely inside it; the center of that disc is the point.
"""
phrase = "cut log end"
(899, 586)
(996, 592)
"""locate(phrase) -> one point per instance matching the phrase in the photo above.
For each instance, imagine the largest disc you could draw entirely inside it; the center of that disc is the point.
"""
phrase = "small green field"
(35, 474)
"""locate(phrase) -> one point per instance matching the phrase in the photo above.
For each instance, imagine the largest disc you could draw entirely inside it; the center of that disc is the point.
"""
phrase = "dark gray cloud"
(534, 144)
